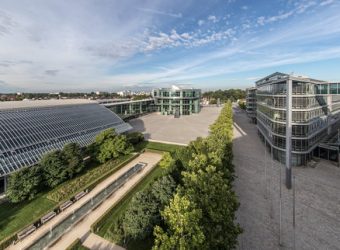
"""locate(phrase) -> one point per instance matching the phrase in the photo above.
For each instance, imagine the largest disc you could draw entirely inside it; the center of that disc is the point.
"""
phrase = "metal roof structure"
(30, 129)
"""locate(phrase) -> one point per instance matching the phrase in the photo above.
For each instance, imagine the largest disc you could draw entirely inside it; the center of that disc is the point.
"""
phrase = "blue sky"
(48, 45)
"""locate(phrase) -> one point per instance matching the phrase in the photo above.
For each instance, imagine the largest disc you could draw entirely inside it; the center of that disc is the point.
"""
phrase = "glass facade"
(314, 105)
(28, 133)
(251, 103)
(132, 108)
(168, 101)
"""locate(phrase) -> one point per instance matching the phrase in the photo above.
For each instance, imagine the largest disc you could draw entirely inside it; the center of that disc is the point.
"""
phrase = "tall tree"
(184, 229)
(143, 213)
(24, 184)
(55, 170)
(73, 157)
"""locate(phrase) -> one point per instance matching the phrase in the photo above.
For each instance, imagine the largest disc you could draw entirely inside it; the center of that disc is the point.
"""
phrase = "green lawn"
(119, 209)
(14, 217)
(157, 146)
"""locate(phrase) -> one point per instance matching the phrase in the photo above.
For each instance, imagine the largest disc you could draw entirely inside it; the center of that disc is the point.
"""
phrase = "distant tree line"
(42, 96)
(193, 204)
(224, 95)
(58, 166)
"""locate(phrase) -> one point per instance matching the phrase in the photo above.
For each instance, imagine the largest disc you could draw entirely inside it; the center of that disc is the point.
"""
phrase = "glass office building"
(169, 101)
(130, 109)
(29, 129)
(314, 114)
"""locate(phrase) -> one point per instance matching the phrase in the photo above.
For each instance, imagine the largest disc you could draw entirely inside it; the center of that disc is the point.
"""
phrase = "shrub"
(24, 184)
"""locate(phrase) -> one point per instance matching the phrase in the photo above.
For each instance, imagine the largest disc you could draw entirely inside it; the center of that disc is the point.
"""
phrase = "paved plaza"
(182, 130)
(258, 187)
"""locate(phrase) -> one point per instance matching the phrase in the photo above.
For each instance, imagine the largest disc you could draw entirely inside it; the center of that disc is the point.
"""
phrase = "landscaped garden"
(37, 190)
(192, 195)
(33, 191)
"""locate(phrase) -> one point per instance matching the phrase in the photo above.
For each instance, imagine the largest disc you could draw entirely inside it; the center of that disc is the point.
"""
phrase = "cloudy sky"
(52, 45)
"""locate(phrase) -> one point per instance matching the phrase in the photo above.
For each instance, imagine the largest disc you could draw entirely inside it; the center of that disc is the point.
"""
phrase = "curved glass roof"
(27, 133)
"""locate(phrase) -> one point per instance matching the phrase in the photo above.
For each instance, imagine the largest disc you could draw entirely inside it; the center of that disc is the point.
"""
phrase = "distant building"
(29, 129)
(169, 101)
(251, 103)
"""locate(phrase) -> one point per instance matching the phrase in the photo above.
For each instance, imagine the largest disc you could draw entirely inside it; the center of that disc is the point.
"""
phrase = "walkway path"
(95, 242)
(82, 228)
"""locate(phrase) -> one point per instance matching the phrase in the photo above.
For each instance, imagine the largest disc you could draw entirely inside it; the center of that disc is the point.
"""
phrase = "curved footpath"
(81, 230)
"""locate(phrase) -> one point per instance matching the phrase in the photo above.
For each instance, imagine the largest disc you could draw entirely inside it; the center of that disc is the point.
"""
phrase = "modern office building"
(251, 103)
(129, 109)
(309, 108)
(175, 100)
(29, 129)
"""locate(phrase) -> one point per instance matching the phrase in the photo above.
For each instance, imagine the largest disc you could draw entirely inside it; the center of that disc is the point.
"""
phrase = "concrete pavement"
(182, 130)
(258, 187)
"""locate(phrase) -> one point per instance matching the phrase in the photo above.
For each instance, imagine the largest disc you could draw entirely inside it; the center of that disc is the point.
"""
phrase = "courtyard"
(317, 197)
(182, 130)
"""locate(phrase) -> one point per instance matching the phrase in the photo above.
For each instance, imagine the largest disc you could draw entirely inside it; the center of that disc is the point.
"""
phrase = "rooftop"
(42, 103)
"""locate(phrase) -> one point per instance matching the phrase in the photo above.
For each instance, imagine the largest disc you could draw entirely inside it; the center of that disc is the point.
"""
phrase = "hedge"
(67, 190)
(8, 241)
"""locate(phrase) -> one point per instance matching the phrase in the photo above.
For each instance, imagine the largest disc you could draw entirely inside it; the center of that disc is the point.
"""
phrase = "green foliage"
(105, 136)
(143, 212)
(242, 105)
(14, 217)
(109, 225)
(225, 95)
(84, 181)
(55, 170)
(111, 146)
(24, 184)
(135, 137)
(73, 157)
(206, 177)
(76, 245)
(184, 229)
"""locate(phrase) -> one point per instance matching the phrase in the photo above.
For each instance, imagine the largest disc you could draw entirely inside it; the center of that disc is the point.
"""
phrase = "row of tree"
(201, 214)
(193, 205)
(60, 165)
(225, 95)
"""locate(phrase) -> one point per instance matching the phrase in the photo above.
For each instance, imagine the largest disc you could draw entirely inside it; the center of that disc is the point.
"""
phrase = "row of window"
(297, 130)
(176, 94)
(297, 116)
(299, 88)
(298, 145)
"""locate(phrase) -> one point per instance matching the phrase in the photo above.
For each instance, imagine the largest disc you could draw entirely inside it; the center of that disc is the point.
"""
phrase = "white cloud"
(175, 15)
(326, 2)
(200, 22)
(213, 19)
(244, 7)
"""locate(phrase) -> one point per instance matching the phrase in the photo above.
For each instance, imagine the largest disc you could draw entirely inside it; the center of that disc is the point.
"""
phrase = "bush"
(135, 137)
(24, 184)
(111, 146)
(55, 169)
(88, 180)
(8, 241)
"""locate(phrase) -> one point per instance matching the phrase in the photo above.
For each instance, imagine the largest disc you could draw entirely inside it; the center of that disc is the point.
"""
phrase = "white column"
(289, 134)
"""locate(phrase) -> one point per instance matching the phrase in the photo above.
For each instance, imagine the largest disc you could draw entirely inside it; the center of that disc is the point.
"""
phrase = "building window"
(334, 88)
